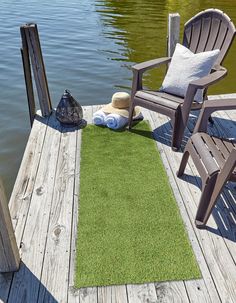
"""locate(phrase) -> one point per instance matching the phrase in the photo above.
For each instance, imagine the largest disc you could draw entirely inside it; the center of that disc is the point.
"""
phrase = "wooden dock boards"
(44, 208)
(26, 282)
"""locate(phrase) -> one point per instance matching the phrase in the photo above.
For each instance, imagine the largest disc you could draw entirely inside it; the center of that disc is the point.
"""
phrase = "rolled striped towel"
(115, 121)
(99, 117)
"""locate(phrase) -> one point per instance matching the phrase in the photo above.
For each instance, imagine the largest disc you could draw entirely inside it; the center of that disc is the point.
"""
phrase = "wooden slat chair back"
(214, 158)
(208, 30)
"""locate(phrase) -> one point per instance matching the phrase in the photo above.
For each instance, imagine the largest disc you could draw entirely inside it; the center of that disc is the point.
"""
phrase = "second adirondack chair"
(214, 158)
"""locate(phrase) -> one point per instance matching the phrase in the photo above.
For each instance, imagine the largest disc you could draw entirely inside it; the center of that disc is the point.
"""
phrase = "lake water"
(88, 47)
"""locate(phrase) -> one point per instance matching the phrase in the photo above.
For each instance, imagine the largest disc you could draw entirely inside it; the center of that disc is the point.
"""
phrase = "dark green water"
(89, 47)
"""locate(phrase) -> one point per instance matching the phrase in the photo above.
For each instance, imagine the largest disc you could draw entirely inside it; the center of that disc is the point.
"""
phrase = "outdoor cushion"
(186, 67)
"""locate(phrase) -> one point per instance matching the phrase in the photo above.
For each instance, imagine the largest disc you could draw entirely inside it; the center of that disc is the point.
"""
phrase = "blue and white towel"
(99, 117)
(115, 121)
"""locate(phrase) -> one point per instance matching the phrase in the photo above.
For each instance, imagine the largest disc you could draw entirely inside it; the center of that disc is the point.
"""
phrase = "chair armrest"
(142, 67)
(202, 83)
(208, 108)
(210, 79)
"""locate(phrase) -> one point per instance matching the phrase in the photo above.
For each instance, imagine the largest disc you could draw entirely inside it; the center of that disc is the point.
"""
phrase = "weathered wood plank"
(57, 249)
(142, 293)
(171, 292)
(23, 188)
(88, 113)
(26, 281)
(88, 295)
(21, 194)
(112, 294)
(73, 294)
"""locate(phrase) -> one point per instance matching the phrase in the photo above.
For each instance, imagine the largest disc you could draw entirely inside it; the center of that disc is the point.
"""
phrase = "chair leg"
(178, 131)
(183, 163)
(206, 206)
(210, 119)
(131, 110)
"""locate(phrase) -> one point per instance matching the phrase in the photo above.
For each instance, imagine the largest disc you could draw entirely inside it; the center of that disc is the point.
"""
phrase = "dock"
(44, 208)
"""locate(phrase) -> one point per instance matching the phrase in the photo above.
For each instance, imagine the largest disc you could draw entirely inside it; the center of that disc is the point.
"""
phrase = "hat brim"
(124, 112)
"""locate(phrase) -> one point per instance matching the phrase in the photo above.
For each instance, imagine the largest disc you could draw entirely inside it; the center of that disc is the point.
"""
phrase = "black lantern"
(69, 112)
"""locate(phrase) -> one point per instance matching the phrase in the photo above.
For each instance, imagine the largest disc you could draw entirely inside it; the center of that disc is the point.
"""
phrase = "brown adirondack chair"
(214, 158)
(208, 30)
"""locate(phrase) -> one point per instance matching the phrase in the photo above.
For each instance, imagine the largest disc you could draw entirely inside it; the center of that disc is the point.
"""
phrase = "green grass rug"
(130, 229)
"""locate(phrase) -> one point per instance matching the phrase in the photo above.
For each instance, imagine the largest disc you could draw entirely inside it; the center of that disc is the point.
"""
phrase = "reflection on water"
(89, 47)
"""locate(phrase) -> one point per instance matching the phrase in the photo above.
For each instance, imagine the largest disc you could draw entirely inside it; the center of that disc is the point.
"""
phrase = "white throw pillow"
(186, 67)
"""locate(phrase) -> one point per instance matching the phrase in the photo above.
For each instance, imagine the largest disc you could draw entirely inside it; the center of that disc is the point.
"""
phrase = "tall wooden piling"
(173, 32)
(31, 52)
(28, 75)
(9, 253)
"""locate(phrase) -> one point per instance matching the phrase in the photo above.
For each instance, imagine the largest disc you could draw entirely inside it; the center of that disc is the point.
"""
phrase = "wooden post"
(173, 32)
(9, 253)
(28, 76)
(34, 49)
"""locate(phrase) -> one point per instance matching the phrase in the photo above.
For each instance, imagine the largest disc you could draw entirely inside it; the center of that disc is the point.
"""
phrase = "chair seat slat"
(229, 145)
(214, 149)
(158, 99)
(204, 153)
(165, 96)
(221, 146)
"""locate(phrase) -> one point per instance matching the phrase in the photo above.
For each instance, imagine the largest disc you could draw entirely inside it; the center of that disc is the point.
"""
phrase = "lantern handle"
(66, 91)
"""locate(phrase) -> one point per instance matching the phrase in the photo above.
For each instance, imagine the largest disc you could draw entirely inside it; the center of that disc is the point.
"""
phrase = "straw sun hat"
(120, 103)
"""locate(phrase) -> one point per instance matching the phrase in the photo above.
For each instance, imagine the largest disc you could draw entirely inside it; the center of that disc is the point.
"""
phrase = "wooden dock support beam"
(173, 32)
(31, 52)
(9, 253)
(28, 76)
